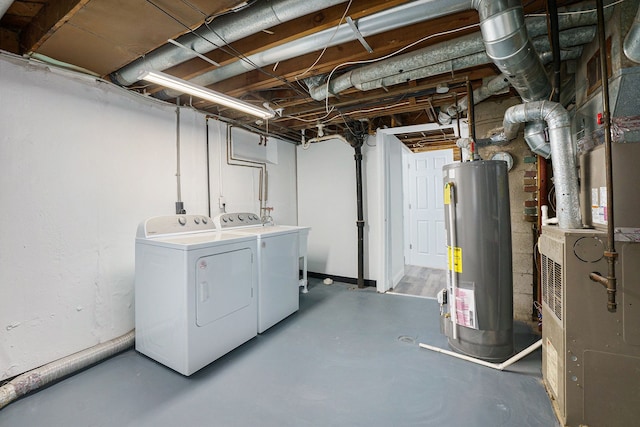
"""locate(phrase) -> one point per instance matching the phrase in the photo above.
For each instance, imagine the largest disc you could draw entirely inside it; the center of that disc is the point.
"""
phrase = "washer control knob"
(230, 219)
(204, 219)
(196, 220)
(224, 219)
(241, 217)
(182, 220)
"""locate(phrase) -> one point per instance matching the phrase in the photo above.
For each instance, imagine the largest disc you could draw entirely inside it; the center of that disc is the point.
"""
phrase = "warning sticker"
(447, 193)
(599, 205)
(456, 257)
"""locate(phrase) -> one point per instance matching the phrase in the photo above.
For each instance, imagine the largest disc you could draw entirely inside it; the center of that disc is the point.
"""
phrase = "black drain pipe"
(360, 222)
(356, 136)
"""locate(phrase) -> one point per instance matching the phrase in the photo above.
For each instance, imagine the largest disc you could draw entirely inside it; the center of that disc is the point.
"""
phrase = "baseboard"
(350, 280)
(396, 279)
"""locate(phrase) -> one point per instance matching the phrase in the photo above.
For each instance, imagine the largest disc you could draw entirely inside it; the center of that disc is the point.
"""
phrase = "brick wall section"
(488, 116)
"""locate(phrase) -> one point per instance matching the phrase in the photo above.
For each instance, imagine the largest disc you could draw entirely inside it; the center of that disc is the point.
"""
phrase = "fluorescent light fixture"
(204, 93)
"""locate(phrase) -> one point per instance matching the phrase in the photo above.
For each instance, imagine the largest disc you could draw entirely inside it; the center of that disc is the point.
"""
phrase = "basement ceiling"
(103, 37)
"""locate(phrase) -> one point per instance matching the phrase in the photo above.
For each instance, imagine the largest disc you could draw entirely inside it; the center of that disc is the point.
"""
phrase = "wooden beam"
(283, 33)
(9, 41)
(51, 17)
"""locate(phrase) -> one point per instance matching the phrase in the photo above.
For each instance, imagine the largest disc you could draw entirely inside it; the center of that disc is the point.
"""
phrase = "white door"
(427, 238)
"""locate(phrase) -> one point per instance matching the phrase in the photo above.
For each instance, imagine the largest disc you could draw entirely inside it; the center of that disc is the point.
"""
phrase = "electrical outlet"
(221, 202)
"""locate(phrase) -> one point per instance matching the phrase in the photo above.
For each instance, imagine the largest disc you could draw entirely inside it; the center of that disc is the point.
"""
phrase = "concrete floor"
(348, 358)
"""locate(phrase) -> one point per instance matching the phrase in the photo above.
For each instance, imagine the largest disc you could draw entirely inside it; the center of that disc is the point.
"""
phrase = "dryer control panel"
(234, 220)
(170, 224)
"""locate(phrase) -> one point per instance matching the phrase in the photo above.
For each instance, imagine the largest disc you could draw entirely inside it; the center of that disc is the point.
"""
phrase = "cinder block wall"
(488, 115)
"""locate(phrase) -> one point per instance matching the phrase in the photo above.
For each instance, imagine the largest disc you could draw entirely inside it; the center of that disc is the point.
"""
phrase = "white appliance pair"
(278, 263)
(201, 292)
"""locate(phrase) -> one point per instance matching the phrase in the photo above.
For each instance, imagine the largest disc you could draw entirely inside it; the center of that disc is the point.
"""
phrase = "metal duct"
(562, 150)
(226, 29)
(463, 52)
(387, 20)
(432, 65)
(51, 372)
(508, 45)
(632, 40)
(534, 132)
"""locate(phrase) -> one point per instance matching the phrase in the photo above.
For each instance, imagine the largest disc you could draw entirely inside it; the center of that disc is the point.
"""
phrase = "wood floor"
(421, 282)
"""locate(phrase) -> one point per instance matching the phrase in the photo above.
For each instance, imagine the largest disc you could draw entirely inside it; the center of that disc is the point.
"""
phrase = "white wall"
(327, 203)
(396, 204)
(240, 185)
(83, 162)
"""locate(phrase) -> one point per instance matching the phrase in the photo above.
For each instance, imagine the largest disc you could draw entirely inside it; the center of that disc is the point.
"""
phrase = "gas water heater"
(479, 319)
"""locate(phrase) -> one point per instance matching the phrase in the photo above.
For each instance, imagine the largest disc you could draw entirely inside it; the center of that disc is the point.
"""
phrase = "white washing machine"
(194, 291)
(278, 266)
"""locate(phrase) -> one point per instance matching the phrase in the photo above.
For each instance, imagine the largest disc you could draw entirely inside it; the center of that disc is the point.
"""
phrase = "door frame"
(407, 214)
(387, 258)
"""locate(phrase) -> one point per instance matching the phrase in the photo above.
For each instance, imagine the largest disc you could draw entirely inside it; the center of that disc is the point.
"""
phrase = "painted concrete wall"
(327, 203)
(489, 115)
(83, 162)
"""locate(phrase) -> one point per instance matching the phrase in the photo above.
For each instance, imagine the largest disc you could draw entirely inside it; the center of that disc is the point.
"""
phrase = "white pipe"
(499, 366)
(54, 371)
(452, 258)
(328, 137)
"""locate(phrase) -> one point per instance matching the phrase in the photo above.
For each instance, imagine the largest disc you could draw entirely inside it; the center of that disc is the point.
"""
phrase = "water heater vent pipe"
(562, 152)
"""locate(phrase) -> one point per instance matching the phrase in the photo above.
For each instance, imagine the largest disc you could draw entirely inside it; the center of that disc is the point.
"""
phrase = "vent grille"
(552, 285)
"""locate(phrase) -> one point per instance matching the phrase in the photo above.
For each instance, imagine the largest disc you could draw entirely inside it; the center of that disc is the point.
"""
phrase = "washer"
(278, 254)
(194, 291)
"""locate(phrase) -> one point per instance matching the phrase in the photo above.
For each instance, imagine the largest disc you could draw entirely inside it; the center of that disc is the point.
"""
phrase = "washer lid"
(267, 230)
(190, 241)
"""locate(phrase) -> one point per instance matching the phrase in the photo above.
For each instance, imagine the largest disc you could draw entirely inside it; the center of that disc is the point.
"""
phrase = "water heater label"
(466, 308)
(457, 259)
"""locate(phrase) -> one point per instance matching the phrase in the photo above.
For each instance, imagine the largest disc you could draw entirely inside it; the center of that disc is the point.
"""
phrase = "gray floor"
(348, 358)
(421, 281)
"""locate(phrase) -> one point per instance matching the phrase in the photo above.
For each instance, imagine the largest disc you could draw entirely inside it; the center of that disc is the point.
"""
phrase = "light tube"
(184, 86)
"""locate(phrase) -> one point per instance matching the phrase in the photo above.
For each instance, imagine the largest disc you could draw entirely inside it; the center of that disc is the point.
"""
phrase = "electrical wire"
(227, 48)
(410, 45)
(328, 42)
(242, 57)
(210, 18)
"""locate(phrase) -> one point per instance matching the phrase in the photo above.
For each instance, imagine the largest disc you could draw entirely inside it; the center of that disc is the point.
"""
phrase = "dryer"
(278, 265)
(195, 291)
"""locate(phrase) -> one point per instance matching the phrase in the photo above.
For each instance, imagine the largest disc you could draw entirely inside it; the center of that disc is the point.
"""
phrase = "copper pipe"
(472, 121)
(610, 282)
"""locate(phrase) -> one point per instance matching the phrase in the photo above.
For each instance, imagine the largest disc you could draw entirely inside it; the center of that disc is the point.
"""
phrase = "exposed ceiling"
(103, 36)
